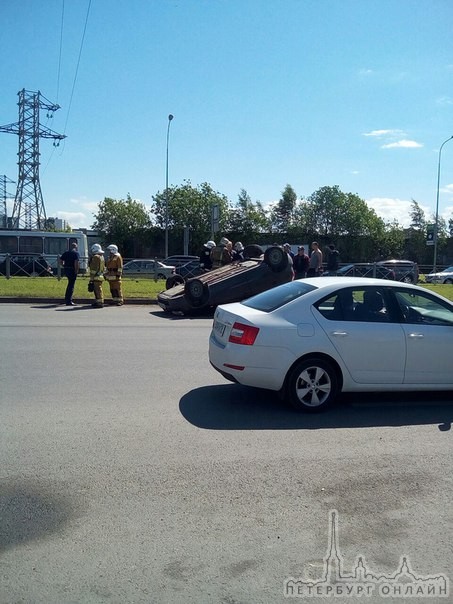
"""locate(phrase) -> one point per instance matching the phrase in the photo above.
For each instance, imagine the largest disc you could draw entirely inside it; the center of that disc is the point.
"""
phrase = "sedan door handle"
(417, 336)
(340, 334)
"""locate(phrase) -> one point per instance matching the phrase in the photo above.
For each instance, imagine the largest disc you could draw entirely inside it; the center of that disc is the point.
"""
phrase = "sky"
(264, 93)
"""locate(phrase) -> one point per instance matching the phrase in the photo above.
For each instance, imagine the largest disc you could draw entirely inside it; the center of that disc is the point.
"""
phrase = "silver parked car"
(148, 268)
(445, 276)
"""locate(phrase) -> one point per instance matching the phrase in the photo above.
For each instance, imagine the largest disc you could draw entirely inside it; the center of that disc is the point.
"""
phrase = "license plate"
(219, 328)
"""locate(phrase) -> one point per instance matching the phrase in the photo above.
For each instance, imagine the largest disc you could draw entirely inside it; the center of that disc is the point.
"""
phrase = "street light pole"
(436, 231)
(170, 117)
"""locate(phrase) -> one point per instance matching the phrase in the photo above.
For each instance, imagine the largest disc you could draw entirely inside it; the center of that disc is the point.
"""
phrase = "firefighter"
(97, 267)
(238, 252)
(114, 273)
(221, 254)
(205, 255)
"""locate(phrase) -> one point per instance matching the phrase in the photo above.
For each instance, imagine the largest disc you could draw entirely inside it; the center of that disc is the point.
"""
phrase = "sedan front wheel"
(312, 385)
(197, 292)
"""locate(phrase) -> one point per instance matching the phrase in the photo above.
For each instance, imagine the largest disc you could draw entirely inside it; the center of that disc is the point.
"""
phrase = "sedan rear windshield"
(278, 296)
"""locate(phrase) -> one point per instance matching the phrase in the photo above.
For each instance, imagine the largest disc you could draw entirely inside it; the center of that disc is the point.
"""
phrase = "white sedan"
(314, 338)
(445, 276)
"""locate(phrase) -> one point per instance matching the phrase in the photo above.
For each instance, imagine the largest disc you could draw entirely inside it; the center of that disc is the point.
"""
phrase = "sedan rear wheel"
(174, 280)
(448, 281)
(312, 385)
(276, 258)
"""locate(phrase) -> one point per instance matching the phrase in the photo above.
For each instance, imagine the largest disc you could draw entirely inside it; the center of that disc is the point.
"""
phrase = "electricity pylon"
(29, 211)
(4, 195)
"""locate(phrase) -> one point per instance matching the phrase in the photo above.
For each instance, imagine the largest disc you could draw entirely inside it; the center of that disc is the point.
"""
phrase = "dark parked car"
(184, 272)
(230, 283)
(179, 260)
(363, 269)
(26, 265)
(405, 270)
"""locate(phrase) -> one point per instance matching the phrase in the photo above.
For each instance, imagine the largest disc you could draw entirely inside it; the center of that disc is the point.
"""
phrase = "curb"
(80, 301)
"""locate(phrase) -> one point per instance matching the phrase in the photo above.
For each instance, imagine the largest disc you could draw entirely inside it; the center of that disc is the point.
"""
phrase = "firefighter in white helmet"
(97, 267)
(205, 255)
(114, 273)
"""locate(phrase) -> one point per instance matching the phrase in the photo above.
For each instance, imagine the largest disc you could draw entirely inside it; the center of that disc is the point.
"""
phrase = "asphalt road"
(132, 472)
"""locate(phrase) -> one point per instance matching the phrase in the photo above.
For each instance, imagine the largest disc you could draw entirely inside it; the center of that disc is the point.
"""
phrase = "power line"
(78, 64)
(60, 51)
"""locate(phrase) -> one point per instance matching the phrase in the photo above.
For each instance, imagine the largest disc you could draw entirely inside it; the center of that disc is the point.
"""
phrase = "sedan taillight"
(243, 334)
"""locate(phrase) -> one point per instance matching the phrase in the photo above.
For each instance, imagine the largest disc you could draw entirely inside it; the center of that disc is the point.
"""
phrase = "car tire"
(312, 385)
(174, 280)
(276, 258)
(448, 281)
(253, 251)
(196, 291)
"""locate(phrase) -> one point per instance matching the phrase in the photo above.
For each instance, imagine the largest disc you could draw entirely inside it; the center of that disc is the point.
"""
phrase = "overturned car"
(230, 283)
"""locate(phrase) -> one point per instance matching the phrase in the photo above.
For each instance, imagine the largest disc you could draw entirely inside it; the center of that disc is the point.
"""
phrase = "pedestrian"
(288, 250)
(238, 252)
(205, 255)
(300, 263)
(114, 266)
(70, 260)
(315, 263)
(221, 254)
(332, 259)
(97, 268)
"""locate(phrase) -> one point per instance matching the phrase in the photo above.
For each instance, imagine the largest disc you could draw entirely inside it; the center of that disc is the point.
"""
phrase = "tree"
(247, 219)
(282, 215)
(122, 222)
(329, 212)
(418, 220)
(191, 207)
(391, 245)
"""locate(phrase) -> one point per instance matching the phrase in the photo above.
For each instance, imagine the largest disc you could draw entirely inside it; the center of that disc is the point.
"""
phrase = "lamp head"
(170, 117)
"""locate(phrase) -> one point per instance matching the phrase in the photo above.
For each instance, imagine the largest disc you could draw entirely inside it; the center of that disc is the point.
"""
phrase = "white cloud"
(395, 139)
(387, 133)
(447, 189)
(403, 144)
(444, 100)
(390, 209)
(76, 220)
(83, 216)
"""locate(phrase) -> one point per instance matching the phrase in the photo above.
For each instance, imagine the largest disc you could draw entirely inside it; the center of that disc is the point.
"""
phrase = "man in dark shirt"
(70, 261)
(332, 260)
(300, 263)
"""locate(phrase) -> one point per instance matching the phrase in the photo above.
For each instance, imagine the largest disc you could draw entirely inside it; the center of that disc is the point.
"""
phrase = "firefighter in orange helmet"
(114, 272)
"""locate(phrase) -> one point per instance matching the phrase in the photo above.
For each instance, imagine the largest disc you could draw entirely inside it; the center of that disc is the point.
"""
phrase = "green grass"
(445, 290)
(50, 287)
